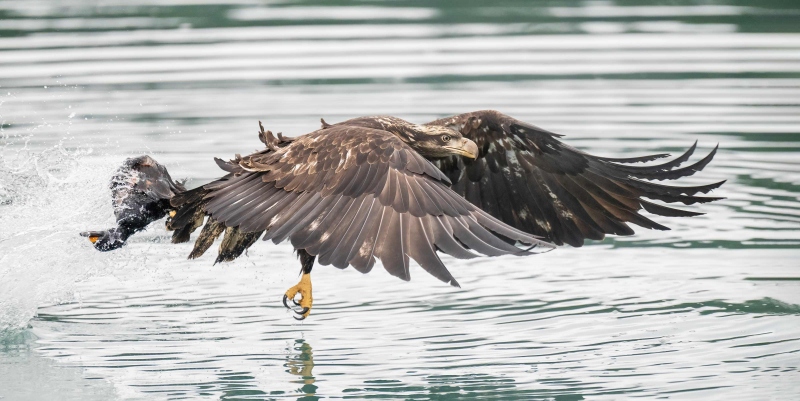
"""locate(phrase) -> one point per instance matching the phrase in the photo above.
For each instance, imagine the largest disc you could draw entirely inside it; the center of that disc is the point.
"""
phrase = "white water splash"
(46, 198)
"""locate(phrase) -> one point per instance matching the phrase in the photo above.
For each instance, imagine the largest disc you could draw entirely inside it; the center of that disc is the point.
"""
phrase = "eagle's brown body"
(349, 195)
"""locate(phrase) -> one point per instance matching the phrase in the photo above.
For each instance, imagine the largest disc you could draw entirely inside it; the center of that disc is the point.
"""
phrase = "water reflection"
(300, 362)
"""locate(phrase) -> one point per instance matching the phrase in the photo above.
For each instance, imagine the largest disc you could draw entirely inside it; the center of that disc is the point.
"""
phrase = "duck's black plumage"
(141, 190)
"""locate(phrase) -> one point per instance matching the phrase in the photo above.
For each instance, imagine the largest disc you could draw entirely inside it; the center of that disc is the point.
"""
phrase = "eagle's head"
(436, 141)
(427, 140)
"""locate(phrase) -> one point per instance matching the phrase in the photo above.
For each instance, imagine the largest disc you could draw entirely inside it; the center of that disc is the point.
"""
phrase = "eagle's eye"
(445, 138)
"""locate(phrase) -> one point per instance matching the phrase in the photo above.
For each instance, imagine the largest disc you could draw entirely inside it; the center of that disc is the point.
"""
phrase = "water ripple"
(707, 310)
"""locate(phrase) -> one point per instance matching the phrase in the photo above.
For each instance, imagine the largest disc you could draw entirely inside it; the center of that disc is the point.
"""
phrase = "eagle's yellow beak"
(467, 148)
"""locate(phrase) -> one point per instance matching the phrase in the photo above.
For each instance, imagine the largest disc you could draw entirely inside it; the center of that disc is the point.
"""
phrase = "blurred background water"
(708, 310)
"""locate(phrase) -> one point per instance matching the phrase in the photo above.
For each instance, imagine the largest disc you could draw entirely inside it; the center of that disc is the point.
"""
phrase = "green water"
(708, 310)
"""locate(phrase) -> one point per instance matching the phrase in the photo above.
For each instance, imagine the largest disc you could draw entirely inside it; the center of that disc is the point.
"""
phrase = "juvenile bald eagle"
(381, 187)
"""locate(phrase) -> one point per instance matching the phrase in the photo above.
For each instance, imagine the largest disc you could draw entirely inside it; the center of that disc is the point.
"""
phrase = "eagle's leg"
(303, 287)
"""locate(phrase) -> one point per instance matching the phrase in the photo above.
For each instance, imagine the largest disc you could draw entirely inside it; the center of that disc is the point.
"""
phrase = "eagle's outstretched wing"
(349, 195)
(530, 180)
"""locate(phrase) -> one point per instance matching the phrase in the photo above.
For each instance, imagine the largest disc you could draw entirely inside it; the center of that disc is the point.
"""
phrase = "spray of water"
(46, 198)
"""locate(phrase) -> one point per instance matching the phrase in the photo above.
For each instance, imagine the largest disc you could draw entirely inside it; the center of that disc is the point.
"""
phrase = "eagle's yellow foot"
(306, 300)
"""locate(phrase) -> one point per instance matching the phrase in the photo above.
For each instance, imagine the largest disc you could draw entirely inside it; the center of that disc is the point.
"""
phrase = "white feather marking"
(324, 236)
(557, 202)
(543, 224)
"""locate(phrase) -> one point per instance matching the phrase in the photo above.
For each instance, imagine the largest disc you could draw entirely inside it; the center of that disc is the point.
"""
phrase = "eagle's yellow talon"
(306, 300)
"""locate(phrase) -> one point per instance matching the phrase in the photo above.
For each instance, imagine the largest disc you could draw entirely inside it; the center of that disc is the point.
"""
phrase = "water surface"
(708, 310)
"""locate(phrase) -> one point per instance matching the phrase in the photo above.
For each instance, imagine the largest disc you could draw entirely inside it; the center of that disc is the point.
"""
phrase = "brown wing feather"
(526, 177)
(351, 195)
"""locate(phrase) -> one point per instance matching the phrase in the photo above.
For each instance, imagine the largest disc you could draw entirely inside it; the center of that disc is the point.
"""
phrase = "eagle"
(382, 188)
